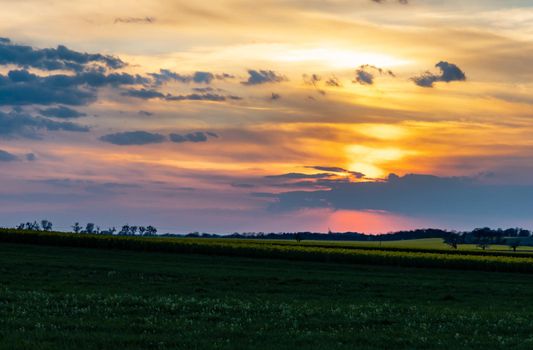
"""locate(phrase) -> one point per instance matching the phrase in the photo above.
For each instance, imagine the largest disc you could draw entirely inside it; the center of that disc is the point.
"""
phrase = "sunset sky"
(272, 115)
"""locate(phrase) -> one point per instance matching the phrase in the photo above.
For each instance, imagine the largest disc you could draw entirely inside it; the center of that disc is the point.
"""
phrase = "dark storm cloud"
(7, 157)
(417, 195)
(256, 77)
(20, 87)
(60, 58)
(129, 138)
(448, 72)
(135, 20)
(198, 136)
(61, 112)
(20, 124)
(365, 74)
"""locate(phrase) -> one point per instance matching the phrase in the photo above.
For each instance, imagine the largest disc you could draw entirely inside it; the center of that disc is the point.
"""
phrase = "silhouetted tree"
(109, 231)
(89, 228)
(513, 244)
(125, 230)
(76, 227)
(452, 241)
(483, 244)
(142, 229)
(151, 231)
(133, 230)
(46, 225)
(524, 233)
(33, 226)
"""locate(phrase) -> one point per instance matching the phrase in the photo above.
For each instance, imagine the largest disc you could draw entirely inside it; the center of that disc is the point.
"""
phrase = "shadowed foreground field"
(66, 298)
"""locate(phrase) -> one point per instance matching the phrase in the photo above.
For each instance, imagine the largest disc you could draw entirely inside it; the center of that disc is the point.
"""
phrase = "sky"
(275, 115)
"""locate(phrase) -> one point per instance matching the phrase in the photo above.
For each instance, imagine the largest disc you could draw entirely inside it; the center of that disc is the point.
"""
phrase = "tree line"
(481, 237)
(91, 228)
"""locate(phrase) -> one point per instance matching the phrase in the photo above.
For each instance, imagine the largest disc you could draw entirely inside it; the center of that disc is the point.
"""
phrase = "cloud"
(333, 82)
(61, 112)
(31, 157)
(403, 2)
(327, 168)
(88, 186)
(198, 136)
(314, 80)
(166, 75)
(198, 77)
(417, 195)
(148, 94)
(20, 124)
(448, 72)
(144, 93)
(60, 58)
(7, 157)
(298, 176)
(256, 77)
(203, 77)
(23, 88)
(20, 87)
(198, 97)
(365, 74)
(356, 174)
(364, 78)
(224, 76)
(145, 113)
(242, 185)
(275, 96)
(133, 138)
(136, 20)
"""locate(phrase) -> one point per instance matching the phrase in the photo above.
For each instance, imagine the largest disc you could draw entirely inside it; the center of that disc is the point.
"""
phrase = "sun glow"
(382, 131)
(338, 58)
(369, 160)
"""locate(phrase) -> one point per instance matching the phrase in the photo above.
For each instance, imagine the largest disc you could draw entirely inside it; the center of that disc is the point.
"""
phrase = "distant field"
(76, 298)
(395, 254)
(428, 243)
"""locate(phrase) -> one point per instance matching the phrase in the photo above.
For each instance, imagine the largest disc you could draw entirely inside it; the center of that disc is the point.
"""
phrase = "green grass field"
(78, 298)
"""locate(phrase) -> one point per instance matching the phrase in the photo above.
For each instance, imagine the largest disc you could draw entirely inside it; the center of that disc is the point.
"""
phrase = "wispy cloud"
(135, 20)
